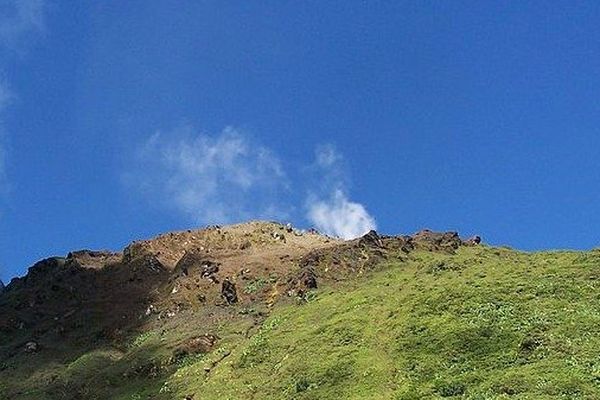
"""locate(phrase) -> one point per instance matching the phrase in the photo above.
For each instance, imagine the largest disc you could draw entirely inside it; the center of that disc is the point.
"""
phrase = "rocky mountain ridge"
(217, 276)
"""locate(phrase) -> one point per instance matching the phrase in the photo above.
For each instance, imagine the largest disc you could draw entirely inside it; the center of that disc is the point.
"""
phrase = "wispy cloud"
(338, 216)
(328, 206)
(211, 178)
(229, 177)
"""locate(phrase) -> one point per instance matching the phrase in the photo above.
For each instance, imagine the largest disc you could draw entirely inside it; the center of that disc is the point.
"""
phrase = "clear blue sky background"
(476, 116)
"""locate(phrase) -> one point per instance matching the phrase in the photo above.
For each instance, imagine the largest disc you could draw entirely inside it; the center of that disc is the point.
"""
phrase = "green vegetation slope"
(473, 323)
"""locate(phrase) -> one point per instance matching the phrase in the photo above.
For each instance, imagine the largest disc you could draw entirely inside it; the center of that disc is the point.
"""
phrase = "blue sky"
(121, 120)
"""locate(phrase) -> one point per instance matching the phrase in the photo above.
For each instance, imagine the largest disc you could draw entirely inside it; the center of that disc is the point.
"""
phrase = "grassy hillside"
(483, 323)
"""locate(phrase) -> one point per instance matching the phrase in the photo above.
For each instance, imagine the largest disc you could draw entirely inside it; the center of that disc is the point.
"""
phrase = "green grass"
(485, 323)
(493, 324)
(141, 339)
(258, 284)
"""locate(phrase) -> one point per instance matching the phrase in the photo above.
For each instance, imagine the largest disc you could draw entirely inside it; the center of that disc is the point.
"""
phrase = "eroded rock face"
(196, 263)
(229, 292)
(164, 276)
(92, 259)
(152, 263)
(45, 268)
(307, 279)
(405, 243)
(437, 240)
(371, 239)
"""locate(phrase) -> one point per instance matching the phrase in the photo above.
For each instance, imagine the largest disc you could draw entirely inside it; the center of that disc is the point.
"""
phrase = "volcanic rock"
(448, 241)
(473, 241)
(229, 292)
(31, 347)
(371, 239)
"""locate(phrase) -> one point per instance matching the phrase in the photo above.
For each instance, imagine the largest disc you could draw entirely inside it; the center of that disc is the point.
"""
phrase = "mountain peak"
(200, 285)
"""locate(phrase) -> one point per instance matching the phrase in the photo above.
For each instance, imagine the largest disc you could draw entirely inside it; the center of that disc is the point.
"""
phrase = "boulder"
(31, 347)
(208, 268)
(229, 292)
(151, 310)
(280, 237)
(473, 241)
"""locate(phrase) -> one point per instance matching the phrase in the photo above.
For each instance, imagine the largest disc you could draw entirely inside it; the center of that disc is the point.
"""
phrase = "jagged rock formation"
(92, 299)
(189, 266)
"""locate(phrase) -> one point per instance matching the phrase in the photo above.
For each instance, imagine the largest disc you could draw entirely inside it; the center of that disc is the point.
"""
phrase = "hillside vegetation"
(391, 318)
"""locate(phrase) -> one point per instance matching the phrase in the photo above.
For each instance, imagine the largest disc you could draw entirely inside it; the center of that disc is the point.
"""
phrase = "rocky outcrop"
(228, 292)
(371, 239)
(175, 272)
(92, 259)
(45, 268)
(444, 241)
(473, 241)
(306, 279)
(196, 263)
